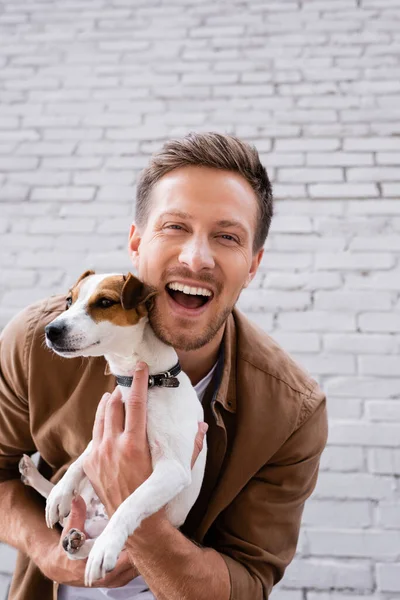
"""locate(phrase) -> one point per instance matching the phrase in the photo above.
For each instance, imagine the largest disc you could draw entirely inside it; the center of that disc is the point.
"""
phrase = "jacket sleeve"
(15, 435)
(258, 533)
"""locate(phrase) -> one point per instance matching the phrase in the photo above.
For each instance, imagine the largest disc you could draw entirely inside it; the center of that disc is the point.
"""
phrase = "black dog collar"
(166, 379)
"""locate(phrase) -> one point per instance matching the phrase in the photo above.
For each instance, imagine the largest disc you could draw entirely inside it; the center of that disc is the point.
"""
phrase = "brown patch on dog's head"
(74, 290)
(120, 300)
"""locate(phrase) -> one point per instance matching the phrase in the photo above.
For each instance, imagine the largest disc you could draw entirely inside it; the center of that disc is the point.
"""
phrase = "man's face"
(199, 233)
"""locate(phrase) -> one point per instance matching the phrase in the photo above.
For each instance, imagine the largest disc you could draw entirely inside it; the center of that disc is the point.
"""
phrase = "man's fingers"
(135, 404)
(114, 415)
(77, 517)
(199, 441)
(98, 427)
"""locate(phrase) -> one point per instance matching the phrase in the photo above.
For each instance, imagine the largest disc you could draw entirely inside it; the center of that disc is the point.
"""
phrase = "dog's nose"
(55, 332)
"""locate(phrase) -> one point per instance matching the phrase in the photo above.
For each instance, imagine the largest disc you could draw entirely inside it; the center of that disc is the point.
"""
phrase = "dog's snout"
(55, 332)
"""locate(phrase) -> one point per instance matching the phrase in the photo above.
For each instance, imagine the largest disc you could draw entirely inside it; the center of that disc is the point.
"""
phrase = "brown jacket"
(267, 429)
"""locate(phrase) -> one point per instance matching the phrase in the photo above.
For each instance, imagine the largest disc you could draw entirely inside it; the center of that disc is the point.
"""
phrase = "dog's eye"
(105, 302)
(68, 302)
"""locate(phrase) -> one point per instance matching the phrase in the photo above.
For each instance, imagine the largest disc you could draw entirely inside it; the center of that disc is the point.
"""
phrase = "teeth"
(194, 291)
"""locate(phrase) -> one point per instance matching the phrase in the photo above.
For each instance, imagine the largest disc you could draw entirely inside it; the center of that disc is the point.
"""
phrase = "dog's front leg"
(58, 503)
(168, 479)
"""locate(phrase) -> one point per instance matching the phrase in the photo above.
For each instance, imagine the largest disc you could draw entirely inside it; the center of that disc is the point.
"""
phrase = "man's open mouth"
(189, 296)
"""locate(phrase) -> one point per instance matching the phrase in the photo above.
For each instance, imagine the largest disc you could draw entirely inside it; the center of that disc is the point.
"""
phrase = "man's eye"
(105, 302)
(173, 226)
(68, 302)
(230, 238)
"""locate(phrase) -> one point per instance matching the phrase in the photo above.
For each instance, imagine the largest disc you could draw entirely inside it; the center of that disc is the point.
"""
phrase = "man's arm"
(174, 567)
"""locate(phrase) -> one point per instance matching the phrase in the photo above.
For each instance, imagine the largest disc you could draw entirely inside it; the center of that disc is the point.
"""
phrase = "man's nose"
(196, 254)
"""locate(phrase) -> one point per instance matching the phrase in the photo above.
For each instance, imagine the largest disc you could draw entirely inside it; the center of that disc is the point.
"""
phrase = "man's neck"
(197, 363)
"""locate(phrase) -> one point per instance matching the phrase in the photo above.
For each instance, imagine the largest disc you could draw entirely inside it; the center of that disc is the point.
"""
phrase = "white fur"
(173, 415)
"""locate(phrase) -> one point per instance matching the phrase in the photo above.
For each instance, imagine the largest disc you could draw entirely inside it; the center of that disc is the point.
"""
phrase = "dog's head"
(101, 311)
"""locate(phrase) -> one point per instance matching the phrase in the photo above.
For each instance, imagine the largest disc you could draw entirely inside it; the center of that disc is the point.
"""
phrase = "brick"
(54, 226)
(379, 244)
(357, 261)
(62, 193)
(72, 163)
(373, 281)
(297, 342)
(347, 459)
(365, 434)
(351, 514)
(359, 343)
(344, 408)
(388, 158)
(380, 322)
(388, 515)
(341, 159)
(304, 280)
(16, 163)
(387, 366)
(362, 387)
(382, 410)
(352, 301)
(304, 144)
(371, 144)
(316, 321)
(388, 577)
(384, 461)
(310, 175)
(258, 300)
(103, 178)
(327, 364)
(354, 544)
(262, 319)
(373, 174)
(391, 189)
(343, 190)
(328, 574)
(289, 224)
(279, 261)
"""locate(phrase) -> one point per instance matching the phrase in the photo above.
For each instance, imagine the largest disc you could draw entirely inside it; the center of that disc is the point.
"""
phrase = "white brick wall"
(88, 90)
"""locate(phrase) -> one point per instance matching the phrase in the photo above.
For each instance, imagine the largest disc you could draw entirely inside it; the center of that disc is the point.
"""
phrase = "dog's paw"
(103, 557)
(27, 469)
(73, 541)
(58, 503)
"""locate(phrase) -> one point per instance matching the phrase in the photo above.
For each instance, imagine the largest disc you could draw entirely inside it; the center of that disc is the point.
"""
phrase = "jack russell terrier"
(108, 315)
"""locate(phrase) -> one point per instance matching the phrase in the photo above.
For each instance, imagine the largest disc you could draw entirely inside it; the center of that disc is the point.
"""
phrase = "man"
(204, 206)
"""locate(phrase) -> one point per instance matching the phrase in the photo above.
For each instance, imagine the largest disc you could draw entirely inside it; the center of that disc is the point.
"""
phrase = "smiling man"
(204, 207)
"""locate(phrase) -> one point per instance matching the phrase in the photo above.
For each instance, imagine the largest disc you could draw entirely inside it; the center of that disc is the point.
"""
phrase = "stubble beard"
(184, 340)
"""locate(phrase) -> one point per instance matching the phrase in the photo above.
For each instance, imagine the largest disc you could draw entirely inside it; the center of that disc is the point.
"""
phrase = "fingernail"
(203, 428)
(140, 366)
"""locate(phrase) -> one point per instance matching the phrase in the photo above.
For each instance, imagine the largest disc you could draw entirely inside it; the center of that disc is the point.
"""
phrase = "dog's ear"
(83, 276)
(135, 292)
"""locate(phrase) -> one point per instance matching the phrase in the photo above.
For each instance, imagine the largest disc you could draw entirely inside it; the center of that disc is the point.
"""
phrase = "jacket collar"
(226, 379)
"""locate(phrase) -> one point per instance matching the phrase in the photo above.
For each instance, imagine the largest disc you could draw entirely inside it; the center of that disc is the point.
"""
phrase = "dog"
(108, 315)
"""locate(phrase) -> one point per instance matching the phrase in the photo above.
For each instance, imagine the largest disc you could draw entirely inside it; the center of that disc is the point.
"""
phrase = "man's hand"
(55, 564)
(120, 460)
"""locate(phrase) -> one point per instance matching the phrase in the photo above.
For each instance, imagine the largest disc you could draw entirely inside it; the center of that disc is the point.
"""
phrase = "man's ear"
(83, 276)
(255, 263)
(133, 244)
(135, 292)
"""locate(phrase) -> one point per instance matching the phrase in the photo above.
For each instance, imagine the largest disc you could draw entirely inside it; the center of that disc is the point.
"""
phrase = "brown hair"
(218, 151)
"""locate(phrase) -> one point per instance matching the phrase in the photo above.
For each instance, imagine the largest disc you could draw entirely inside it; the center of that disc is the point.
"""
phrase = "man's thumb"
(77, 516)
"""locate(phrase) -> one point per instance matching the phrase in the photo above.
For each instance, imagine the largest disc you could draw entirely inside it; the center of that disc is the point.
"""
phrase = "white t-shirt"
(136, 589)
